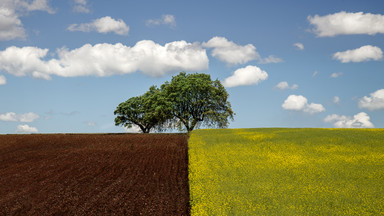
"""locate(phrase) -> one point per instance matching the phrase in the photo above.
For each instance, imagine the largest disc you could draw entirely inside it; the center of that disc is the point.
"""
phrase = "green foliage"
(195, 100)
(145, 111)
(286, 171)
(187, 102)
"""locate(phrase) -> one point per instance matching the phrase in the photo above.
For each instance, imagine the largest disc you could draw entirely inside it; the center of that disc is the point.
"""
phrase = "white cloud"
(234, 54)
(11, 26)
(133, 129)
(360, 120)
(270, 59)
(284, 85)
(230, 52)
(374, 102)
(105, 60)
(26, 117)
(315, 73)
(81, 6)
(344, 23)
(26, 129)
(41, 5)
(27, 5)
(249, 75)
(364, 53)
(335, 75)
(166, 19)
(3, 80)
(300, 103)
(299, 46)
(23, 61)
(336, 100)
(8, 117)
(102, 25)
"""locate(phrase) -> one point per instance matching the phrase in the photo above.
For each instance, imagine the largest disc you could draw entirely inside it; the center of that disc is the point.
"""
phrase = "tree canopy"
(145, 111)
(187, 102)
(196, 100)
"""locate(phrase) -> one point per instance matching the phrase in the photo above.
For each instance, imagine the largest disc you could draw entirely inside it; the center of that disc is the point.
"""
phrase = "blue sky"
(66, 64)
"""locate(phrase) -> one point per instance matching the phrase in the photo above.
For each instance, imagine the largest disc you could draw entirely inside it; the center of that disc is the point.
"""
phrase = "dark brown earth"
(94, 174)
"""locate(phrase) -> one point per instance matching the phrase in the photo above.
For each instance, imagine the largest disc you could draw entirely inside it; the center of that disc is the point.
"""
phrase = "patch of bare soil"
(94, 174)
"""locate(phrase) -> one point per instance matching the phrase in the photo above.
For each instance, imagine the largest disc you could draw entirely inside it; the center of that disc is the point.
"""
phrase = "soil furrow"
(94, 174)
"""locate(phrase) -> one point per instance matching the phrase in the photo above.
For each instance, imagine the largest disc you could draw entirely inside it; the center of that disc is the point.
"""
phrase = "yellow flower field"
(281, 171)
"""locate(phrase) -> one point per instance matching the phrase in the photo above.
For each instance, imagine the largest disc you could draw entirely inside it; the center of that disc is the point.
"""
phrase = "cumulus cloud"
(81, 6)
(234, 54)
(23, 61)
(102, 25)
(344, 23)
(3, 80)
(230, 52)
(284, 85)
(167, 19)
(26, 129)
(374, 102)
(335, 75)
(299, 46)
(11, 26)
(26, 117)
(300, 103)
(249, 75)
(364, 53)
(360, 120)
(105, 60)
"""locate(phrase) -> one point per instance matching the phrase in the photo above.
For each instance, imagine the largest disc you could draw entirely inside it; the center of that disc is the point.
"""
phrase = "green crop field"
(281, 171)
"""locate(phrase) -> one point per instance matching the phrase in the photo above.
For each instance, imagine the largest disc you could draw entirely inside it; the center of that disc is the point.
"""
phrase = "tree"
(145, 111)
(194, 100)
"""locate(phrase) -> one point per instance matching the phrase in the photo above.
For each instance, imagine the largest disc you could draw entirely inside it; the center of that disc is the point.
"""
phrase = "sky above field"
(65, 65)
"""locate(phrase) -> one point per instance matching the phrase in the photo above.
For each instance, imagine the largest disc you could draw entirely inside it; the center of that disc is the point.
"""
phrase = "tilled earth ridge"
(94, 174)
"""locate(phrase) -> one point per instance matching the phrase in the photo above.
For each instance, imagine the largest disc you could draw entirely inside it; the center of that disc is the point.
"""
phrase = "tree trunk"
(144, 129)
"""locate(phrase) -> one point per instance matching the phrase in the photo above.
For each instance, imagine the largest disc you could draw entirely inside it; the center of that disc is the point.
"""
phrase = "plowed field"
(94, 174)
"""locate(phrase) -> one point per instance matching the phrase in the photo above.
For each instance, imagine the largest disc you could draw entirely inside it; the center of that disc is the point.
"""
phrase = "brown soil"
(94, 174)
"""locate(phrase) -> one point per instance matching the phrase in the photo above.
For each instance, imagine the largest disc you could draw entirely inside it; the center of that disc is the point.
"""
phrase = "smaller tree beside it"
(146, 111)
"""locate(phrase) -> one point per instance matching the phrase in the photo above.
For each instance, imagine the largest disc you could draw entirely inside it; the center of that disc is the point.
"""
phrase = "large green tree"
(146, 111)
(194, 100)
